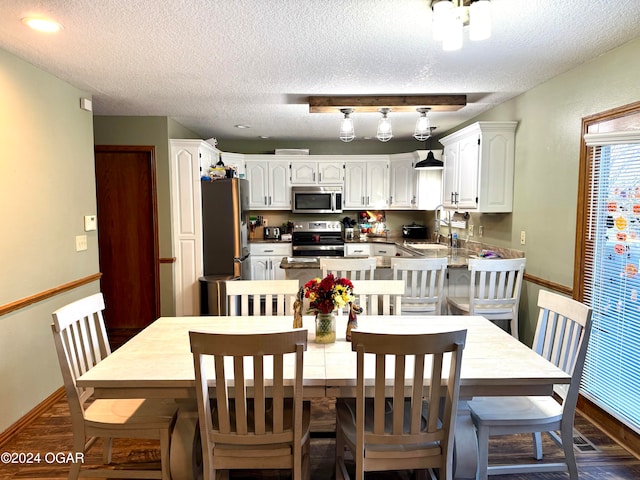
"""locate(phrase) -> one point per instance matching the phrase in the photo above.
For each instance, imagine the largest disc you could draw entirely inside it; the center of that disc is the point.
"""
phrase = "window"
(609, 272)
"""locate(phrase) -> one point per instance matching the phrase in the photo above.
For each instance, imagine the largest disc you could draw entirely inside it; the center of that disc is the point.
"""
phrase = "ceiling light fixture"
(385, 132)
(42, 24)
(450, 16)
(347, 132)
(423, 125)
(241, 126)
(430, 163)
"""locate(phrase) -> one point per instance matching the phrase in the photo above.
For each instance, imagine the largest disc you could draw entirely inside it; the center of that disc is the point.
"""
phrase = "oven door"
(312, 244)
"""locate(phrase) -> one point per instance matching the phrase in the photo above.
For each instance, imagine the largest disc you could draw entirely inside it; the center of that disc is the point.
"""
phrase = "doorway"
(127, 238)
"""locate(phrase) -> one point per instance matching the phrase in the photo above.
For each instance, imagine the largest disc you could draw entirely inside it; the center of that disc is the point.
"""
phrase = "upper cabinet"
(305, 171)
(478, 168)
(366, 183)
(403, 180)
(269, 182)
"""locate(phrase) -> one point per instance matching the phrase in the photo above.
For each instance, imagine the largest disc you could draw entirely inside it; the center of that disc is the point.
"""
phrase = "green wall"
(547, 162)
(47, 186)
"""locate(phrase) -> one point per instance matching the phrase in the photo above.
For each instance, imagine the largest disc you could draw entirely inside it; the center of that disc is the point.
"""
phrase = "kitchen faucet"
(447, 222)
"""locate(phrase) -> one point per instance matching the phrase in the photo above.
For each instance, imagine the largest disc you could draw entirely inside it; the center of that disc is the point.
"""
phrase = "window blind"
(611, 376)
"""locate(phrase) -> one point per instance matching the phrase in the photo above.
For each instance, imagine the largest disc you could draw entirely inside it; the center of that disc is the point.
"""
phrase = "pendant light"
(423, 125)
(431, 162)
(385, 132)
(347, 132)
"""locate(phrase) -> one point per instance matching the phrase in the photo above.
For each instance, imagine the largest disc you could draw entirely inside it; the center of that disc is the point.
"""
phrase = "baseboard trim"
(27, 419)
(614, 428)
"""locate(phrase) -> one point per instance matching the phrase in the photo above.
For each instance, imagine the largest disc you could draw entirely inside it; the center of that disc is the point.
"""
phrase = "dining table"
(157, 363)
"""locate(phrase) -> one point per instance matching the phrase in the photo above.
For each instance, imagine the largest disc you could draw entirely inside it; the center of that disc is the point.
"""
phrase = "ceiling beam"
(397, 103)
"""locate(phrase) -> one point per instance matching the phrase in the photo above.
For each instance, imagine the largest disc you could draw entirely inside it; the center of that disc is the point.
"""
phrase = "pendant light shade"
(347, 132)
(431, 162)
(423, 125)
(385, 132)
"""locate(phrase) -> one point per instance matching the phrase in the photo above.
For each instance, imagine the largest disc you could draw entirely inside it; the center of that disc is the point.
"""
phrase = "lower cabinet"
(357, 250)
(265, 260)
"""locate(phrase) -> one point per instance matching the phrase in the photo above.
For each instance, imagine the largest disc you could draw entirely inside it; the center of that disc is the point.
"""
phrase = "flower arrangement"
(328, 294)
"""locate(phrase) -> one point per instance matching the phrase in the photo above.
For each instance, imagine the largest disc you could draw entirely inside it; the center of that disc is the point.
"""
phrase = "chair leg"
(569, 455)
(107, 443)
(514, 326)
(483, 452)
(537, 445)
(164, 454)
(339, 453)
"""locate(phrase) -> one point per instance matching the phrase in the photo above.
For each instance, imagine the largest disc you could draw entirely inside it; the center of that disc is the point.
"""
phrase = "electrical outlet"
(481, 231)
(523, 237)
(471, 230)
(81, 243)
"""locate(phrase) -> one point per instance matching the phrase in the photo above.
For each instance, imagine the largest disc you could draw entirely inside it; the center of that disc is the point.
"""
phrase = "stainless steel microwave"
(325, 199)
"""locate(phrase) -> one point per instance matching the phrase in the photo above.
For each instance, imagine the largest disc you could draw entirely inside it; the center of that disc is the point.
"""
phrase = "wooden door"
(128, 236)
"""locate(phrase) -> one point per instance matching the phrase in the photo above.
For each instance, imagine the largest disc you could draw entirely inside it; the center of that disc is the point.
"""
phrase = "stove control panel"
(318, 226)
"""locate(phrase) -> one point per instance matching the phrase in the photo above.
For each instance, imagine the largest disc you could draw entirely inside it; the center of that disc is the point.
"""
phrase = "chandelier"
(450, 16)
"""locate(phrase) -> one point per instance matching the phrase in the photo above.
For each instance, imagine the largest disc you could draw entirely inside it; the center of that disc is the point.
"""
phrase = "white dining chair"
(562, 336)
(81, 342)
(379, 297)
(424, 283)
(351, 268)
(494, 290)
(261, 297)
(257, 418)
(389, 429)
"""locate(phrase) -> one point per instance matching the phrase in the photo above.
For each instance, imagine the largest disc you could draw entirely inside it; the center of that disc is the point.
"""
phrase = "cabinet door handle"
(269, 199)
(382, 251)
(265, 200)
(268, 251)
(314, 176)
(452, 200)
(319, 176)
(367, 199)
(363, 200)
(390, 199)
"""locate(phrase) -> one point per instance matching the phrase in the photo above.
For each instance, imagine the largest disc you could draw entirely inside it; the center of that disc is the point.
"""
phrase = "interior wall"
(47, 186)
(547, 162)
(156, 131)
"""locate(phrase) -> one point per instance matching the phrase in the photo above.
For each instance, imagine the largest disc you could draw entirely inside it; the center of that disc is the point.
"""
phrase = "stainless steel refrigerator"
(225, 240)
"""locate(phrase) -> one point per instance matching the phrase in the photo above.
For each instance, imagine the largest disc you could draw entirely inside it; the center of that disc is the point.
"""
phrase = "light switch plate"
(90, 223)
(81, 243)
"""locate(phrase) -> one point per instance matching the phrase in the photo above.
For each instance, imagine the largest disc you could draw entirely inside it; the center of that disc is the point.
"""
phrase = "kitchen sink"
(427, 246)
(302, 259)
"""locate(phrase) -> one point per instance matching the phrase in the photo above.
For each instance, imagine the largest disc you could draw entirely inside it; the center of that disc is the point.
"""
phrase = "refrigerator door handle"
(241, 259)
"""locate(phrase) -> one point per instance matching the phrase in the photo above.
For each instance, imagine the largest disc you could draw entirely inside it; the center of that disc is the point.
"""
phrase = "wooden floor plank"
(51, 433)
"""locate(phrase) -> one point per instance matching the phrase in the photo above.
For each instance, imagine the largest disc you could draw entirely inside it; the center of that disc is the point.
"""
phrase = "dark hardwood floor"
(51, 433)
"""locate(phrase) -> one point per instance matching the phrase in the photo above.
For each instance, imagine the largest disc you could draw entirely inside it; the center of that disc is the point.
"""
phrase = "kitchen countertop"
(456, 259)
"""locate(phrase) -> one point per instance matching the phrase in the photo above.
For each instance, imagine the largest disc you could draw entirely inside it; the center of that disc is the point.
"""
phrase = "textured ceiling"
(213, 64)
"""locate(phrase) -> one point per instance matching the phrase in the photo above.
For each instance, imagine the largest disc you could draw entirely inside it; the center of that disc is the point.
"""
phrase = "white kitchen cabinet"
(187, 158)
(269, 184)
(403, 181)
(384, 249)
(366, 183)
(357, 250)
(478, 168)
(265, 260)
(309, 172)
